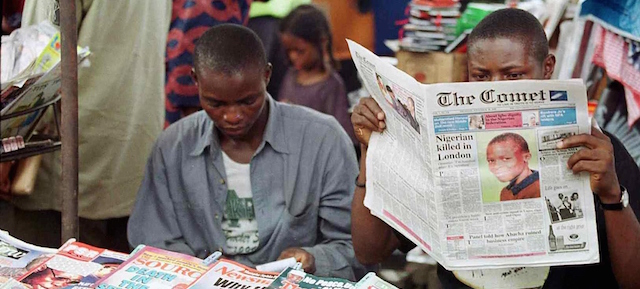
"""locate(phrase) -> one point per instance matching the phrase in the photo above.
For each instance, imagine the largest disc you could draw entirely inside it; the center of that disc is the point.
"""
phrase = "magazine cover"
(75, 265)
(294, 279)
(155, 268)
(17, 257)
(229, 274)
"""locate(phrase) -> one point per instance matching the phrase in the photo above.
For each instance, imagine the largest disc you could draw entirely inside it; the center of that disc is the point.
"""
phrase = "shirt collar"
(516, 188)
(274, 133)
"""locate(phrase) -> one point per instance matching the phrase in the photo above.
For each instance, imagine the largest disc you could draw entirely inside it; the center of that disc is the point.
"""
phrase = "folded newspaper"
(470, 171)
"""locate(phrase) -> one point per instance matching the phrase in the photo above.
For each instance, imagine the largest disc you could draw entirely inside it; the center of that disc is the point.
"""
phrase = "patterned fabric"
(189, 20)
(611, 54)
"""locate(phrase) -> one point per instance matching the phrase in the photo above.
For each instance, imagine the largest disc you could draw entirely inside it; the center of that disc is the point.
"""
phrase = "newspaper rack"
(37, 143)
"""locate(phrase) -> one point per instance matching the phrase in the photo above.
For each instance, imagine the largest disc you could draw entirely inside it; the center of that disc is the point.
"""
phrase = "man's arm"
(373, 240)
(623, 228)
(153, 221)
(333, 252)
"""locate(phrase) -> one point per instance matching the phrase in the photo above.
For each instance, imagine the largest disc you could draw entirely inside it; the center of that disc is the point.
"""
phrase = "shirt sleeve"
(153, 221)
(334, 255)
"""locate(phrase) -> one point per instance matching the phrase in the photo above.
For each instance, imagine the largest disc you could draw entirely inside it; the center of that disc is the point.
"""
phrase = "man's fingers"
(586, 154)
(586, 140)
(595, 167)
(369, 115)
(360, 120)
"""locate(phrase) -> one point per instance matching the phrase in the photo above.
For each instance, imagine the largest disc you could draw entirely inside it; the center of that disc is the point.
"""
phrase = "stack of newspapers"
(431, 26)
(81, 266)
(30, 81)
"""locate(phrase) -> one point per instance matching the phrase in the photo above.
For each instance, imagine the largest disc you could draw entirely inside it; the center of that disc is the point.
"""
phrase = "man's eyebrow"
(481, 69)
(510, 67)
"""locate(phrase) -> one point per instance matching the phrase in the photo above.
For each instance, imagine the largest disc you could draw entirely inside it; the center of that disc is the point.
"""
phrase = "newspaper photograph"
(471, 174)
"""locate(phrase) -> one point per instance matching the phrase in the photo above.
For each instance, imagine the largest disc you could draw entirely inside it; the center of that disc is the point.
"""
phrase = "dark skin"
(238, 105)
(495, 60)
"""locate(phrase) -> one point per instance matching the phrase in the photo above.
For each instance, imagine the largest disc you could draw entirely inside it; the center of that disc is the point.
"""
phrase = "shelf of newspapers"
(78, 265)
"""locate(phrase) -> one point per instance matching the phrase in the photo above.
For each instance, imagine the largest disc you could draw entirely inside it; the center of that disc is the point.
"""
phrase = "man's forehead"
(502, 48)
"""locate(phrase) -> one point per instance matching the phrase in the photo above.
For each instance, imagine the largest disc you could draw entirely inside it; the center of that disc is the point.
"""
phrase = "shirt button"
(216, 216)
(222, 181)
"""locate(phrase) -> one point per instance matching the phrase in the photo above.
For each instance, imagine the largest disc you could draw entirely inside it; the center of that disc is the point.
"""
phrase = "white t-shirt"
(239, 220)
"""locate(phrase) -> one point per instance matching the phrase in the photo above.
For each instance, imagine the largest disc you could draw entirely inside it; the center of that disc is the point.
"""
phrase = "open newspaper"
(229, 274)
(75, 265)
(470, 171)
(151, 268)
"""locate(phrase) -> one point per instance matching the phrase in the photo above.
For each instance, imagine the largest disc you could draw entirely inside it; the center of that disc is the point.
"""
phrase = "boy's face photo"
(507, 161)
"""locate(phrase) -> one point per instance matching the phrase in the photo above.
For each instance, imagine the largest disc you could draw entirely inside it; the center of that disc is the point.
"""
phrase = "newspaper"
(154, 268)
(17, 256)
(470, 171)
(75, 265)
(11, 284)
(297, 279)
(372, 281)
(229, 274)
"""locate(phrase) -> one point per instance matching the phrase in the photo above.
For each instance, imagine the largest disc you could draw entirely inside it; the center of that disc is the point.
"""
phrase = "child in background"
(312, 80)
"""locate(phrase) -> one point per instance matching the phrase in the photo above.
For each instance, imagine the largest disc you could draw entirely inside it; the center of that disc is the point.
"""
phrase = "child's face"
(506, 59)
(302, 54)
(506, 160)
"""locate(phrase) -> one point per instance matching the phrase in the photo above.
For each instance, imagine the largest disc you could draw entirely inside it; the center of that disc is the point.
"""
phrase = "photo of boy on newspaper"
(508, 158)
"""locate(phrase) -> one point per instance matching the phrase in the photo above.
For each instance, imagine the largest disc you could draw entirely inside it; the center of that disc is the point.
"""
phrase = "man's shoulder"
(307, 120)
(187, 131)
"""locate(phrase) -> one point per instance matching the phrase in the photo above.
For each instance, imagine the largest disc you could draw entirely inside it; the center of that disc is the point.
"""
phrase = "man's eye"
(515, 75)
(249, 101)
(481, 77)
(214, 104)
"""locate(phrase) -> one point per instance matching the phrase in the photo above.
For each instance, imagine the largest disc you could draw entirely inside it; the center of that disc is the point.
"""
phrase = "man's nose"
(232, 116)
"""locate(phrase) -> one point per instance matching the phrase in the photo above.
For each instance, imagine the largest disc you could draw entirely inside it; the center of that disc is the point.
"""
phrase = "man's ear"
(549, 65)
(527, 156)
(267, 73)
(194, 76)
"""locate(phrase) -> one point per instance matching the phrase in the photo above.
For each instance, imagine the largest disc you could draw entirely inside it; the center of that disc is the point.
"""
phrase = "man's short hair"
(509, 136)
(229, 48)
(514, 24)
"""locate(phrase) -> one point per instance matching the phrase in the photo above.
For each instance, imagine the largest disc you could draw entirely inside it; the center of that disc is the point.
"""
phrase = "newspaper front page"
(470, 171)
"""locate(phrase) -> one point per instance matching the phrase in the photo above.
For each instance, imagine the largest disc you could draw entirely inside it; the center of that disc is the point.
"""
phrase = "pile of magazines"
(431, 25)
(30, 79)
(78, 266)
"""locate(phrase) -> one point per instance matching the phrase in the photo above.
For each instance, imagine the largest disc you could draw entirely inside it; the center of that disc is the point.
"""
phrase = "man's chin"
(235, 133)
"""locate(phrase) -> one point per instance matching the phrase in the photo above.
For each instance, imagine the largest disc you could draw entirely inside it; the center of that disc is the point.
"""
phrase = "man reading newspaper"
(253, 178)
(510, 44)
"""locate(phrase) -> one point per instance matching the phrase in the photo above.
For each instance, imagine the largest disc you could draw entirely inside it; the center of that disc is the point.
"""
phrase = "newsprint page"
(470, 171)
